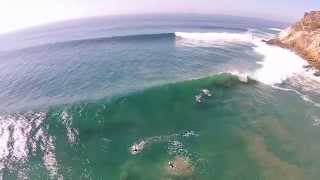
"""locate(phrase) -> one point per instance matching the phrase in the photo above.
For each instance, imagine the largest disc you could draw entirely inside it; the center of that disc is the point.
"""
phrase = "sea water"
(120, 97)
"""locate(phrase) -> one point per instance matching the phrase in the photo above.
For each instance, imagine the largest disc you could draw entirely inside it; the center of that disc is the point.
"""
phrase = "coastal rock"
(308, 66)
(303, 38)
(317, 73)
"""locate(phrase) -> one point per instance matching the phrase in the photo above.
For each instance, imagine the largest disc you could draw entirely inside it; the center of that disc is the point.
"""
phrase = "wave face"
(280, 68)
(121, 135)
(121, 97)
(95, 68)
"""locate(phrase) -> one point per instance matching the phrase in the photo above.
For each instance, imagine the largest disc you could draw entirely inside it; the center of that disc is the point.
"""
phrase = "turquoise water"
(77, 107)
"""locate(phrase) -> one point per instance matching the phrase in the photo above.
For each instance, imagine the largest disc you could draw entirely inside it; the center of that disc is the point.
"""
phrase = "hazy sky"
(16, 14)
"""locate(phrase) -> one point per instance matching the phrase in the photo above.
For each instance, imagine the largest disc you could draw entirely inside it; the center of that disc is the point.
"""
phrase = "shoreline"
(303, 38)
(304, 55)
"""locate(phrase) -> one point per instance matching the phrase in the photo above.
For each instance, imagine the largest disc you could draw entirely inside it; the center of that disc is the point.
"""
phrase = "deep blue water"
(98, 57)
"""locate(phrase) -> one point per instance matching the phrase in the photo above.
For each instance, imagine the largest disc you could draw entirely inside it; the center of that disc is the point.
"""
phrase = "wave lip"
(216, 36)
(275, 29)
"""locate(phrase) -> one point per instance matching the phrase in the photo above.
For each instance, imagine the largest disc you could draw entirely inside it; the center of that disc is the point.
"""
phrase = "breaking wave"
(274, 60)
(216, 36)
(276, 66)
(275, 29)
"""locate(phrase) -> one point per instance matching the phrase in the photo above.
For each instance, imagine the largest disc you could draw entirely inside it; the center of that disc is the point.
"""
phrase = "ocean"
(156, 97)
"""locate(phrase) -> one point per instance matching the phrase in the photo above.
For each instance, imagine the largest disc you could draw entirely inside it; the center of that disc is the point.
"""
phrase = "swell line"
(113, 39)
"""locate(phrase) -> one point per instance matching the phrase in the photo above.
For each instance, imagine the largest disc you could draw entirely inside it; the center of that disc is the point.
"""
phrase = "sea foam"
(275, 29)
(216, 37)
(277, 65)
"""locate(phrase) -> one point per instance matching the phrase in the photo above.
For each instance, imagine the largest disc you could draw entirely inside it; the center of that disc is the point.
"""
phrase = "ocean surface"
(118, 98)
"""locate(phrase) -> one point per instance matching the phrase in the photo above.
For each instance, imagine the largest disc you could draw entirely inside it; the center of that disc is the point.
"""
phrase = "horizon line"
(31, 27)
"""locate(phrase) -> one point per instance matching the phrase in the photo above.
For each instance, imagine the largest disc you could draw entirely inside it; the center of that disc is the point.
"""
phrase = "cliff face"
(303, 38)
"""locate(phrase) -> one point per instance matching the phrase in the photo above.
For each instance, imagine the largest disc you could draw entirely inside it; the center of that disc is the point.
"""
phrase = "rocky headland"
(303, 38)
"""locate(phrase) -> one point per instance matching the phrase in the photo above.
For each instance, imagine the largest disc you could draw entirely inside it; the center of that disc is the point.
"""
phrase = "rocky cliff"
(303, 38)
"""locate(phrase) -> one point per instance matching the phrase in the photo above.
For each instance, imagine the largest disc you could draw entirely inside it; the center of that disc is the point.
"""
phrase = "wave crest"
(216, 36)
(274, 59)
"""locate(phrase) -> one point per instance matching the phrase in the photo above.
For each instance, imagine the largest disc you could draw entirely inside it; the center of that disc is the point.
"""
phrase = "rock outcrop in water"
(303, 38)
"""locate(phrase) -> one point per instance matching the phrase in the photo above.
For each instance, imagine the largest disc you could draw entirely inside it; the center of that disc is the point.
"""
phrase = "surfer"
(180, 167)
(203, 93)
(171, 164)
(198, 98)
(135, 149)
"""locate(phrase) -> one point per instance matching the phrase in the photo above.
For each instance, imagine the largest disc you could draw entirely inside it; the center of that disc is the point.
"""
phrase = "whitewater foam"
(16, 133)
(216, 37)
(277, 64)
(243, 77)
(316, 122)
(275, 29)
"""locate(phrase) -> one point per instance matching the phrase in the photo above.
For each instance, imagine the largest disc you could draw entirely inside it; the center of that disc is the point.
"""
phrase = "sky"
(18, 14)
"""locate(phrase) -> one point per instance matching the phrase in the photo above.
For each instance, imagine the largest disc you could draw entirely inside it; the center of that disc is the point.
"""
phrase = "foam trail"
(139, 146)
(303, 96)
